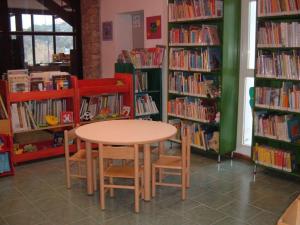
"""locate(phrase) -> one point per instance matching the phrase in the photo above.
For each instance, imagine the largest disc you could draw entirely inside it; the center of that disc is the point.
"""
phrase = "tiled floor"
(223, 194)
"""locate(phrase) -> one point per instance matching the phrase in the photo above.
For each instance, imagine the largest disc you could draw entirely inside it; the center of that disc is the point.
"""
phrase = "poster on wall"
(153, 27)
(107, 31)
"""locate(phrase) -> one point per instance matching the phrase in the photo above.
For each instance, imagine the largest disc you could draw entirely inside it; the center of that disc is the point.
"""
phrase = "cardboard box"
(292, 215)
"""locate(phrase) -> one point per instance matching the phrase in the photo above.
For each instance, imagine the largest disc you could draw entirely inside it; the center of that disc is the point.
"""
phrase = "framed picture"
(153, 27)
(107, 31)
(66, 117)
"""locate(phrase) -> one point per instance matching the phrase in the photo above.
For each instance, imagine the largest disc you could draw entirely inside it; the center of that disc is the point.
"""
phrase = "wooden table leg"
(89, 170)
(147, 172)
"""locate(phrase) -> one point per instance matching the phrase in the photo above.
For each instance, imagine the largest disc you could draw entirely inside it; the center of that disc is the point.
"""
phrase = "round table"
(125, 132)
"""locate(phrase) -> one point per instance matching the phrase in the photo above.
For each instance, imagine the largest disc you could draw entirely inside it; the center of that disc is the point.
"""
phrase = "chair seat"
(120, 171)
(171, 162)
(81, 155)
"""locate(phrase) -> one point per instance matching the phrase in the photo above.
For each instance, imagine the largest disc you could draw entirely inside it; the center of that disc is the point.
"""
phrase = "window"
(252, 34)
(247, 117)
(41, 35)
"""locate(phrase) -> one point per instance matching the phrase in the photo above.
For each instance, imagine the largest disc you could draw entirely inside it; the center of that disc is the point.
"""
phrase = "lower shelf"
(41, 154)
(294, 173)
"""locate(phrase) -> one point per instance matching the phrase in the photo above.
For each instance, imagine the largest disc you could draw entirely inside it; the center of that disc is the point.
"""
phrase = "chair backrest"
(69, 136)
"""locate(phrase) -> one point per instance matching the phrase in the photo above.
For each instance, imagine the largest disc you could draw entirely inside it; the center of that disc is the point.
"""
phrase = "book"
(3, 111)
(61, 82)
(67, 117)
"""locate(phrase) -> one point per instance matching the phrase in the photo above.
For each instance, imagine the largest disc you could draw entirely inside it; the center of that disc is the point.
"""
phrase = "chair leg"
(136, 195)
(142, 186)
(68, 174)
(153, 181)
(188, 179)
(95, 174)
(111, 190)
(183, 184)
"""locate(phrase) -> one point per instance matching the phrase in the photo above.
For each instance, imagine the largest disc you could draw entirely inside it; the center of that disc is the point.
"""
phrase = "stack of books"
(204, 35)
(141, 81)
(285, 98)
(21, 81)
(194, 84)
(145, 105)
(202, 59)
(269, 7)
(147, 57)
(284, 64)
(32, 114)
(283, 34)
(280, 127)
(186, 9)
(101, 106)
(274, 158)
(193, 108)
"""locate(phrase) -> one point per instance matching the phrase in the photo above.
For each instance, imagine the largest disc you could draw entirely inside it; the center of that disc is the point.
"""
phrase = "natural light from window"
(252, 35)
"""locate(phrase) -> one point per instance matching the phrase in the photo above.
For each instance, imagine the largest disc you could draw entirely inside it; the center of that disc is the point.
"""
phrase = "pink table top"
(124, 132)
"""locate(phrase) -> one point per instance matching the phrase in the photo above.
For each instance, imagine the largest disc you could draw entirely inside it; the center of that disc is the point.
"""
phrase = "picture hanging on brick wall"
(153, 27)
(107, 31)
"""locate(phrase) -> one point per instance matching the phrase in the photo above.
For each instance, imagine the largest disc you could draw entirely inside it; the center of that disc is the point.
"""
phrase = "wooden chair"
(173, 165)
(76, 164)
(113, 170)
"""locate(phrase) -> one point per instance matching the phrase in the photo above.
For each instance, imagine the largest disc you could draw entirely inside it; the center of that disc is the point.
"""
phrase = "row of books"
(204, 35)
(185, 9)
(194, 84)
(203, 59)
(193, 108)
(266, 7)
(32, 114)
(144, 57)
(284, 64)
(274, 158)
(201, 136)
(279, 34)
(286, 98)
(281, 127)
(4, 162)
(144, 105)
(22, 81)
(141, 81)
(96, 106)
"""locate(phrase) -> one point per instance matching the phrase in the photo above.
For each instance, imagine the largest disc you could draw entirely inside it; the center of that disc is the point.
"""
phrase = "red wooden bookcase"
(78, 89)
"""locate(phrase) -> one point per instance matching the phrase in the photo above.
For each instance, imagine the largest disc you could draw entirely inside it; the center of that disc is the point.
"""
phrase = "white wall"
(111, 10)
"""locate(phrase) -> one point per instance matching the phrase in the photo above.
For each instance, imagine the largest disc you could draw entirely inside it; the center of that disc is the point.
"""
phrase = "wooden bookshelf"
(226, 75)
(154, 90)
(265, 143)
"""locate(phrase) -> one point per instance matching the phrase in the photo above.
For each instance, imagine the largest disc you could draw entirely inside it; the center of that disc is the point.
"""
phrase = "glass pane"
(247, 125)
(43, 48)
(64, 44)
(28, 51)
(13, 23)
(42, 23)
(62, 26)
(252, 34)
(26, 22)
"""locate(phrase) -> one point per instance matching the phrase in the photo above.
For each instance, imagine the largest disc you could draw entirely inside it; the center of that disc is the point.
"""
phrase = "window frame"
(19, 33)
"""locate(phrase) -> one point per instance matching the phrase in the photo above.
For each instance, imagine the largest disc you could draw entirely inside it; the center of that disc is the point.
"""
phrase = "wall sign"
(107, 31)
(153, 27)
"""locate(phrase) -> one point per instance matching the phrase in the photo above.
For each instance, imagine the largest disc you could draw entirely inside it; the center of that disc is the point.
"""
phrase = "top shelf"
(40, 95)
(195, 19)
(279, 15)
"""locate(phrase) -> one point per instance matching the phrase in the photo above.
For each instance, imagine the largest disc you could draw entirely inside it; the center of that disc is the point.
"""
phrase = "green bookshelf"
(276, 113)
(217, 133)
(153, 82)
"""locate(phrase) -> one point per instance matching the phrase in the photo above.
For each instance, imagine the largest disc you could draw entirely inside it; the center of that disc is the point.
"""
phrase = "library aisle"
(219, 194)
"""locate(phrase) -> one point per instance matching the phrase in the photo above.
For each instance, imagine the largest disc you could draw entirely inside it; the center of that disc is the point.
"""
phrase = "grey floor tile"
(27, 217)
(9, 207)
(230, 221)
(203, 215)
(85, 221)
(213, 199)
(179, 206)
(9, 193)
(63, 216)
(52, 202)
(2, 221)
(240, 210)
(264, 218)
(128, 219)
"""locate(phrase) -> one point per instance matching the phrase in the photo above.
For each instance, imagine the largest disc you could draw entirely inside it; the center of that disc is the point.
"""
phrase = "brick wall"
(91, 38)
